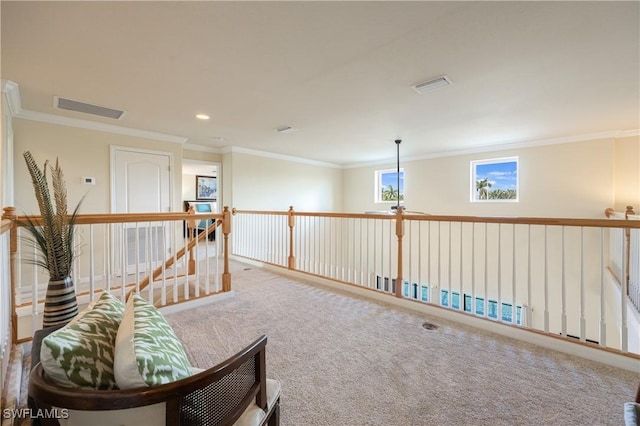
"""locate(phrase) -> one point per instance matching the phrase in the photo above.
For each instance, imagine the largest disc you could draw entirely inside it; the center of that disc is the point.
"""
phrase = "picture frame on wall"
(206, 188)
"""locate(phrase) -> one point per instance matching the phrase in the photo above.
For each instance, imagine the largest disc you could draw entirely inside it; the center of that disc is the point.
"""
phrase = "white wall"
(627, 173)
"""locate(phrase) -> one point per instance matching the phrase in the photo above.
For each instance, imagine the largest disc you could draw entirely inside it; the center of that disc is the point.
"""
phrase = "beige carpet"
(344, 360)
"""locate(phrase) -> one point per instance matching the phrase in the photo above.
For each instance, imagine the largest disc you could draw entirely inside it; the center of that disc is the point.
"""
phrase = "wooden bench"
(235, 391)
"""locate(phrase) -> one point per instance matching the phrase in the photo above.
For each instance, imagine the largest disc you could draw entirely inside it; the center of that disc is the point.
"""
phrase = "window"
(444, 297)
(455, 300)
(424, 294)
(493, 309)
(387, 186)
(494, 180)
(480, 306)
(467, 303)
(507, 312)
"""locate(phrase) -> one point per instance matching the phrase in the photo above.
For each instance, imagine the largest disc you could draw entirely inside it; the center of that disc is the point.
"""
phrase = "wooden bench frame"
(48, 394)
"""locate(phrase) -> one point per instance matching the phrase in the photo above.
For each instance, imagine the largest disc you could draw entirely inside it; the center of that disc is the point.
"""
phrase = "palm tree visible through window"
(482, 186)
(494, 179)
(387, 185)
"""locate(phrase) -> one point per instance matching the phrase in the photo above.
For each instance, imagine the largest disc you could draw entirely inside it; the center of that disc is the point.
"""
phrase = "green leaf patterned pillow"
(80, 354)
(148, 353)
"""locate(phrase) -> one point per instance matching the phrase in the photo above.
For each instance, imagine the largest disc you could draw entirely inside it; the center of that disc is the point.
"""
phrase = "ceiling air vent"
(83, 107)
(430, 85)
(286, 129)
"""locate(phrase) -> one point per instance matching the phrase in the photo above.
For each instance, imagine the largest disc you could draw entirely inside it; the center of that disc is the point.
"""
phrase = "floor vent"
(71, 105)
(429, 326)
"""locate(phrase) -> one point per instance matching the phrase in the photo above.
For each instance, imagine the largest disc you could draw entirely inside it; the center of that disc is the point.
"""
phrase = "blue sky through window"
(500, 175)
(391, 178)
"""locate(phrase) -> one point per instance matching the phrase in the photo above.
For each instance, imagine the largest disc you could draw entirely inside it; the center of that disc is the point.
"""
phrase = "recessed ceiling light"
(202, 116)
(436, 83)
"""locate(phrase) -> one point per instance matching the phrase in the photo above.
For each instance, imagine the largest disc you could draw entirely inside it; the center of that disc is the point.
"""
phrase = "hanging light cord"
(398, 142)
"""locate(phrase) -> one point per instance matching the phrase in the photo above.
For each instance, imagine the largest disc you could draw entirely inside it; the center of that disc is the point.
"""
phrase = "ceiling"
(339, 72)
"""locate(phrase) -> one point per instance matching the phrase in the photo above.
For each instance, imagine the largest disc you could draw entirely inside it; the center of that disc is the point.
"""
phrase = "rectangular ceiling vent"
(430, 85)
(85, 108)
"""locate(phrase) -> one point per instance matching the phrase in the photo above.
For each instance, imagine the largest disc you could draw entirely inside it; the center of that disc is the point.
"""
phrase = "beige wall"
(627, 173)
(212, 157)
(81, 152)
(260, 183)
(564, 180)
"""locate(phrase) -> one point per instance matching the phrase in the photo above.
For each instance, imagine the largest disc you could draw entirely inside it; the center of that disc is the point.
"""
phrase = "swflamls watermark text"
(41, 413)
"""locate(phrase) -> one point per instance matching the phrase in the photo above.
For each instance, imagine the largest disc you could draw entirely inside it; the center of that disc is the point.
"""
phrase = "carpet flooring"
(346, 360)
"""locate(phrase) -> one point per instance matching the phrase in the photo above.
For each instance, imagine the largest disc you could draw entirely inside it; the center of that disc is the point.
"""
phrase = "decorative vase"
(60, 304)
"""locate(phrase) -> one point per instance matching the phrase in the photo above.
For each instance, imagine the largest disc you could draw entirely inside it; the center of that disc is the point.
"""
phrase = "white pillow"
(147, 352)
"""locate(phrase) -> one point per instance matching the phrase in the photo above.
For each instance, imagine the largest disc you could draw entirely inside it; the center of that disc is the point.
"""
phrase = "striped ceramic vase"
(60, 304)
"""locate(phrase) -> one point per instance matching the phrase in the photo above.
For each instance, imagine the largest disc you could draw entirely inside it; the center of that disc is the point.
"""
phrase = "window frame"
(378, 186)
(474, 194)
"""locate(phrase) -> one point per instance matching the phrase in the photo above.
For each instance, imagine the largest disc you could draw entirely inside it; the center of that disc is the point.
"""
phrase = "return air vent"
(83, 107)
(430, 85)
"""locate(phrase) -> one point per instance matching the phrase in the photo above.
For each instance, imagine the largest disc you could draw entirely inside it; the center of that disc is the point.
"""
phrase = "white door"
(141, 183)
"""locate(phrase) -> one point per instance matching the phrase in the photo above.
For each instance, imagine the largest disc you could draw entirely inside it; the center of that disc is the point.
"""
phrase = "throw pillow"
(80, 354)
(147, 353)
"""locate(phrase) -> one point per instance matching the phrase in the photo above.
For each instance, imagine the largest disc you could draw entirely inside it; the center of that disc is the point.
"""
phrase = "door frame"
(114, 149)
(112, 175)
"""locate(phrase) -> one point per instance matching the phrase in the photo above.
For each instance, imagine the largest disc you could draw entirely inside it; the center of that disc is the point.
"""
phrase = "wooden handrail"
(87, 219)
(5, 225)
(598, 223)
(11, 221)
(171, 260)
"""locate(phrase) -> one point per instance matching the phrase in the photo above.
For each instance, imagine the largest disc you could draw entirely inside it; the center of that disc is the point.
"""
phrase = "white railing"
(624, 254)
(156, 255)
(549, 275)
(634, 265)
(5, 301)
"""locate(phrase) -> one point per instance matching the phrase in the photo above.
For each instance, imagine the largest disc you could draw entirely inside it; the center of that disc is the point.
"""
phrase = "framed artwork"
(206, 188)
(494, 180)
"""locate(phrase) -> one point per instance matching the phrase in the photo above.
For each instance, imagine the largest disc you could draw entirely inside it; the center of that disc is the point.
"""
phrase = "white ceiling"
(340, 72)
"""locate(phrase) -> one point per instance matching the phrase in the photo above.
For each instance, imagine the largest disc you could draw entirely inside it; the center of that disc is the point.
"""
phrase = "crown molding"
(101, 127)
(202, 148)
(12, 91)
(257, 153)
(614, 134)
(628, 133)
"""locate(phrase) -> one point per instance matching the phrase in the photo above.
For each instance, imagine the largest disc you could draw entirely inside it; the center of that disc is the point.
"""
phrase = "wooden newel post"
(400, 235)
(10, 214)
(291, 261)
(226, 229)
(191, 230)
(627, 234)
